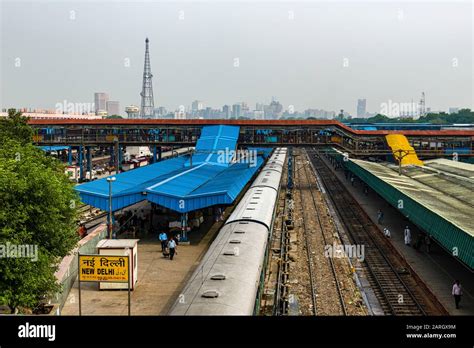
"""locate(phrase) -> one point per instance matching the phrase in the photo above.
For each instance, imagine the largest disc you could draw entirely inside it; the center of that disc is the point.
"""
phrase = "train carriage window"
(210, 294)
(218, 277)
(235, 241)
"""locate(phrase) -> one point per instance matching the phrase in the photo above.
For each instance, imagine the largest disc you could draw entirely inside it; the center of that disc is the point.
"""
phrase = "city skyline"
(338, 62)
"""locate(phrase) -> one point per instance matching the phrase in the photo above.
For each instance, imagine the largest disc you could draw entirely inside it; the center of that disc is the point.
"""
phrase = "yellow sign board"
(103, 268)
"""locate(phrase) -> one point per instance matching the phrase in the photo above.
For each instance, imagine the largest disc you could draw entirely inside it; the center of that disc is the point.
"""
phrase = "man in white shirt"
(457, 293)
(386, 232)
(172, 247)
(407, 234)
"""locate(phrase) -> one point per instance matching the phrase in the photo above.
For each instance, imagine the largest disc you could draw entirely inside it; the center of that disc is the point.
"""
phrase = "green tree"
(114, 117)
(15, 126)
(37, 208)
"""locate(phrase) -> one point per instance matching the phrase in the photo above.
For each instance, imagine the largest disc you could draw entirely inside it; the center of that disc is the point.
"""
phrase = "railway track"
(327, 297)
(398, 290)
(281, 246)
(87, 218)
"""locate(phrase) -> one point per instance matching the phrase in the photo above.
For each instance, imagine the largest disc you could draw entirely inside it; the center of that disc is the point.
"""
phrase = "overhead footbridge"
(370, 141)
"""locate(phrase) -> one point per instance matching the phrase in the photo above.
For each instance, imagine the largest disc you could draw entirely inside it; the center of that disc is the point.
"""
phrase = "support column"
(184, 226)
(69, 155)
(81, 164)
(153, 159)
(116, 157)
(89, 161)
(111, 160)
(120, 157)
(159, 153)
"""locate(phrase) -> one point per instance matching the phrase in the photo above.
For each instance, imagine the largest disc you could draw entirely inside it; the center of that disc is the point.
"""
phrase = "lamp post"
(110, 180)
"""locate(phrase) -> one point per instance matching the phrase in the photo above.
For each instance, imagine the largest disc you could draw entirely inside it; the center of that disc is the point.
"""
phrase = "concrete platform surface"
(159, 283)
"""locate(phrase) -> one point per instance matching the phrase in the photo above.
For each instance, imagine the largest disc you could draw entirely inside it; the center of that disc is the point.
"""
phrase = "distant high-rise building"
(113, 108)
(259, 114)
(274, 110)
(236, 110)
(259, 107)
(422, 105)
(147, 107)
(226, 111)
(453, 110)
(100, 101)
(197, 105)
(160, 111)
(132, 111)
(361, 108)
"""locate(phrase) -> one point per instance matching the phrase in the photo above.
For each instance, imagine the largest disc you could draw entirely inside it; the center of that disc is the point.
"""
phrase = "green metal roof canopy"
(438, 198)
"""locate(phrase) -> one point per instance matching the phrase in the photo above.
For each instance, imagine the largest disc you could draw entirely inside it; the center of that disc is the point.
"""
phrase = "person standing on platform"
(163, 237)
(386, 232)
(379, 216)
(352, 180)
(172, 247)
(407, 234)
(428, 243)
(457, 293)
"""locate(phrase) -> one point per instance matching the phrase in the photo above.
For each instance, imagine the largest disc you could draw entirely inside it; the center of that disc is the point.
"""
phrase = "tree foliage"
(462, 116)
(37, 208)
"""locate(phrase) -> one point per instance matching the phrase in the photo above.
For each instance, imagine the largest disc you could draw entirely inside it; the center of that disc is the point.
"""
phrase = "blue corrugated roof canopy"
(51, 148)
(175, 184)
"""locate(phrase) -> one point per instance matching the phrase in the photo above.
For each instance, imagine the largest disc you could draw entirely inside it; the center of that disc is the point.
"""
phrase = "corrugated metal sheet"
(434, 214)
(214, 142)
(176, 186)
(128, 187)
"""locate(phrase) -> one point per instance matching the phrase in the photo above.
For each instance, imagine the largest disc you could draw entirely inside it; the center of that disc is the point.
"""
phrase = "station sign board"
(103, 268)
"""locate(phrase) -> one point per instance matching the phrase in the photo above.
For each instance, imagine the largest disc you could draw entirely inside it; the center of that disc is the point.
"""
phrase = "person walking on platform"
(352, 180)
(457, 293)
(163, 237)
(379, 216)
(172, 247)
(407, 234)
(428, 243)
(386, 232)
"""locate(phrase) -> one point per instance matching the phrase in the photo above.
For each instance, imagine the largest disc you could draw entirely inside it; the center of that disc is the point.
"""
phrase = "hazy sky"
(66, 50)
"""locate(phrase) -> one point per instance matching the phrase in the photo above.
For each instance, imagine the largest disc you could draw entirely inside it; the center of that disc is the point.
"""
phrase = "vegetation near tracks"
(37, 216)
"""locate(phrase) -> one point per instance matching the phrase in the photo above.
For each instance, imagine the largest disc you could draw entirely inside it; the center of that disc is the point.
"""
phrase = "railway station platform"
(438, 269)
(160, 281)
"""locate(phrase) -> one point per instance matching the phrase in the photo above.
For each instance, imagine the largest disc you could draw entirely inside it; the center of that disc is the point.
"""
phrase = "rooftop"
(179, 183)
(443, 186)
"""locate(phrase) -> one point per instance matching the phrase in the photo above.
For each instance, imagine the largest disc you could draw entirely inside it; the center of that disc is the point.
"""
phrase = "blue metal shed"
(175, 184)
